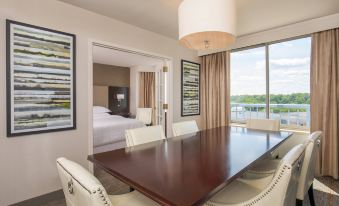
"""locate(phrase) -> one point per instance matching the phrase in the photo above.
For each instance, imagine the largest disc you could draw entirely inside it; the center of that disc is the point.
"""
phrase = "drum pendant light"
(207, 24)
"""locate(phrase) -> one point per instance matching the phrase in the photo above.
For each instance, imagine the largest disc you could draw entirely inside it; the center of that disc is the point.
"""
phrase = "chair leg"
(299, 203)
(311, 195)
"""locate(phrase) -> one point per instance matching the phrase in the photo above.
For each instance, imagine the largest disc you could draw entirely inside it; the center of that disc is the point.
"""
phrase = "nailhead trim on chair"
(102, 196)
(94, 192)
(263, 195)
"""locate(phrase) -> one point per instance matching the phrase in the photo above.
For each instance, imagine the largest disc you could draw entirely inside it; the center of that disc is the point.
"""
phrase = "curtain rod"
(130, 51)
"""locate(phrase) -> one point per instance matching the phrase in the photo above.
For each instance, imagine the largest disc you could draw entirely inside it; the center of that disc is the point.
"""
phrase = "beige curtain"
(215, 90)
(325, 99)
(147, 92)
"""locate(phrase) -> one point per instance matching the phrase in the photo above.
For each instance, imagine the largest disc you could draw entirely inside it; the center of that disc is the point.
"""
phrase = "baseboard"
(56, 196)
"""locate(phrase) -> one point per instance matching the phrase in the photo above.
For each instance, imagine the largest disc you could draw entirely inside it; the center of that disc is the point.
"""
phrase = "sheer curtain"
(325, 98)
(215, 90)
(147, 92)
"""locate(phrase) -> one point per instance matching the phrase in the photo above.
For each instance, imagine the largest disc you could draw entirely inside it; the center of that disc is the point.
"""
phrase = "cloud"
(291, 61)
(255, 51)
(282, 81)
(259, 65)
(281, 45)
(298, 70)
(287, 75)
(246, 78)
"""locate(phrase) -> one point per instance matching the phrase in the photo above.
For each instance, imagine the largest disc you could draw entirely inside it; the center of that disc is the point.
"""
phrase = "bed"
(109, 130)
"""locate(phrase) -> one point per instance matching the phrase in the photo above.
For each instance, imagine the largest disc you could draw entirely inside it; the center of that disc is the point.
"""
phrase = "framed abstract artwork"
(190, 88)
(40, 79)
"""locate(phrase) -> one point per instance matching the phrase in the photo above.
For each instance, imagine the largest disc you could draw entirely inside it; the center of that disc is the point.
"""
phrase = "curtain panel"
(147, 92)
(325, 99)
(215, 90)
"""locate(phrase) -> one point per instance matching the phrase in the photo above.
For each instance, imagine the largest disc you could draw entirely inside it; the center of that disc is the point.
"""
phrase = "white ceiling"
(122, 59)
(160, 16)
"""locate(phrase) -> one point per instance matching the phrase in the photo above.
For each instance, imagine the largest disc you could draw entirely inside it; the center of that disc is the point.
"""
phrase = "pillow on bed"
(101, 115)
(100, 110)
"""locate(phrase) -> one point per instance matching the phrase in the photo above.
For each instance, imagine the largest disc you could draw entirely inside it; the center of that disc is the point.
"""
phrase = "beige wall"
(107, 75)
(27, 164)
(100, 96)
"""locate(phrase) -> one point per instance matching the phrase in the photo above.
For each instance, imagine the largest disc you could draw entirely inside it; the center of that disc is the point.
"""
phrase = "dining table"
(189, 169)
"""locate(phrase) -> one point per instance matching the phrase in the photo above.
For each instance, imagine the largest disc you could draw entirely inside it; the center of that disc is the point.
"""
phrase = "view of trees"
(296, 98)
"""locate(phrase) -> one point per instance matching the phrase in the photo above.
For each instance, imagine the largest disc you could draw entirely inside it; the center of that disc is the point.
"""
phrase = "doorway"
(139, 63)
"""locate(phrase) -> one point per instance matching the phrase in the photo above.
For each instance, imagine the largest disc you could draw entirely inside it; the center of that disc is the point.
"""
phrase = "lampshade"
(120, 96)
(207, 24)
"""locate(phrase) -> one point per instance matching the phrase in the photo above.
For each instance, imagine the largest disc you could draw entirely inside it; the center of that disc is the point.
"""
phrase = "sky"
(289, 64)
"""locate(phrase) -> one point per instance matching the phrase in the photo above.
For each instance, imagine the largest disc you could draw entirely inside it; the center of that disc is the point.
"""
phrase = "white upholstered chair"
(81, 188)
(308, 169)
(263, 124)
(144, 115)
(268, 166)
(186, 127)
(144, 135)
(279, 189)
(312, 144)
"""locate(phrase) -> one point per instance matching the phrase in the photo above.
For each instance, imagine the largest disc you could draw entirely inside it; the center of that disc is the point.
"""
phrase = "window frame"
(267, 71)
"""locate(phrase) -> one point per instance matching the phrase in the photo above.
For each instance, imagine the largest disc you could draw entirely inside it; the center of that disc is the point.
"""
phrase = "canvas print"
(190, 88)
(40, 79)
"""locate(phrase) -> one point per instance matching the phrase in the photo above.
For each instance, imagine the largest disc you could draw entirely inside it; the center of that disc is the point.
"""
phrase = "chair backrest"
(144, 135)
(308, 168)
(181, 128)
(80, 187)
(282, 189)
(263, 124)
(144, 115)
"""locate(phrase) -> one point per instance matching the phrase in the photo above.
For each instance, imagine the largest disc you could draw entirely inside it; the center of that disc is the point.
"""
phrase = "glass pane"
(290, 82)
(248, 85)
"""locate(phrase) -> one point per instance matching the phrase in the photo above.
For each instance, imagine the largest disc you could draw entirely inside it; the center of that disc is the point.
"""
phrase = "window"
(274, 77)
(289, 66)
(248, 84)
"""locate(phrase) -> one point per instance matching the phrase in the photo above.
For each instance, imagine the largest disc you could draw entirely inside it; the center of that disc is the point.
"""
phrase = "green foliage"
(296, 98)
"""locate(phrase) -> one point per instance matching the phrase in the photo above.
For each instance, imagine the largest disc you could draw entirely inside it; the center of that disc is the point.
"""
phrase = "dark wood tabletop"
(187, 170)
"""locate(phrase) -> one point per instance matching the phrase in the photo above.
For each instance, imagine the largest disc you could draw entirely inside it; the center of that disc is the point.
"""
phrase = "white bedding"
(108, 129)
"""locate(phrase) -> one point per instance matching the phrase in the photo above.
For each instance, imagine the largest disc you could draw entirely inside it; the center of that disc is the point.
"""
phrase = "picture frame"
(40, 79)
(190, 88)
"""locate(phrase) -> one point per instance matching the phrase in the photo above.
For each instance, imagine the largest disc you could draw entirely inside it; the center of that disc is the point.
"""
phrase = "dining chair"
(144, 135)
(308, 169)
(186, 127)
(263, 124)
(144, 115)
(279, 189)
(312, 144)
(81, 188)
(268, 166)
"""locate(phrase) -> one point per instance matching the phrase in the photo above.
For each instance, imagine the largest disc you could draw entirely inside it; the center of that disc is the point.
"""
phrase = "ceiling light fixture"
(207, 24)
